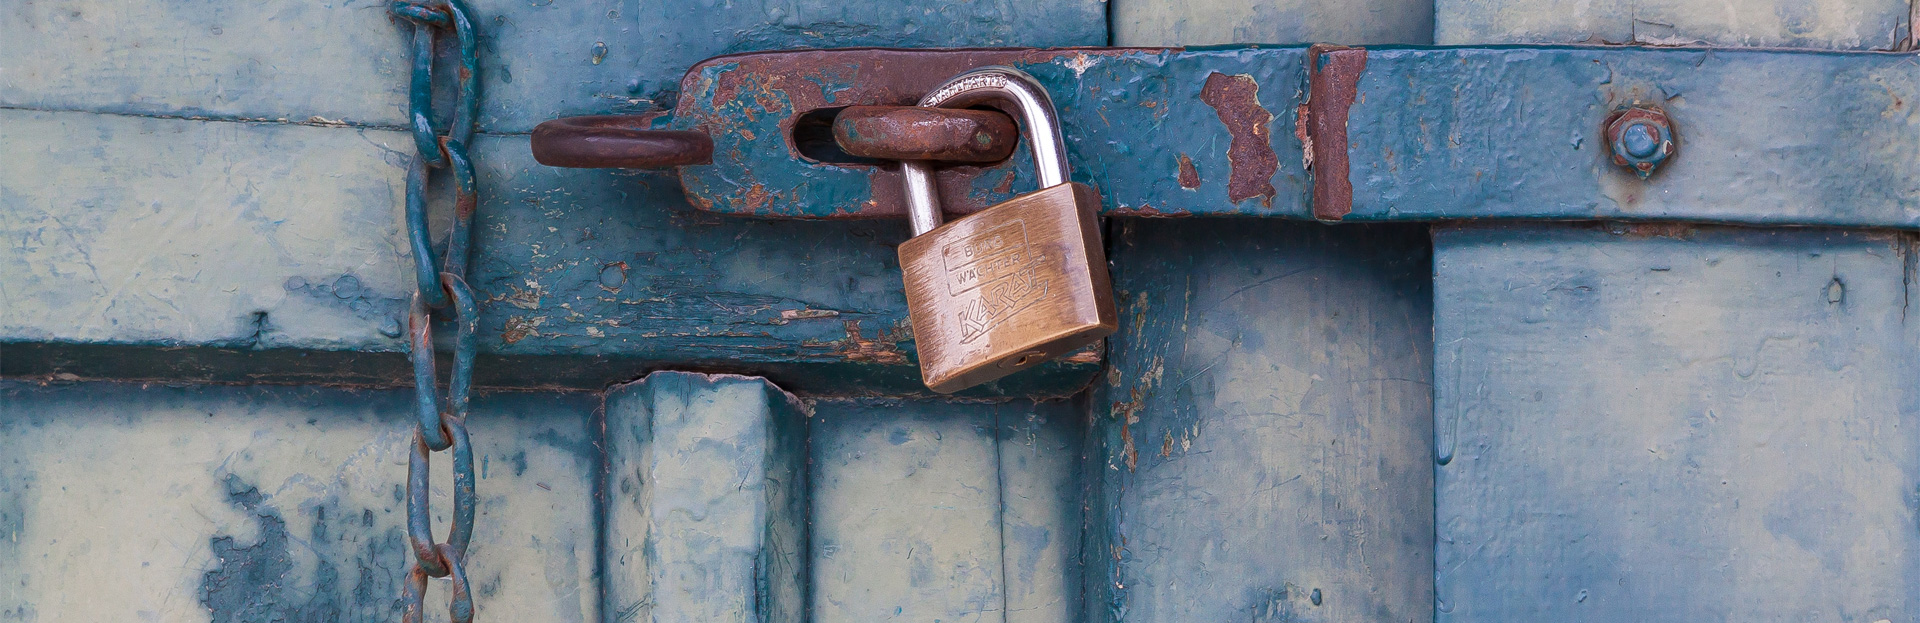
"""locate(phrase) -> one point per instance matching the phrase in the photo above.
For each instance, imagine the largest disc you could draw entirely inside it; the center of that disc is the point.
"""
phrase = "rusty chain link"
(440, 287)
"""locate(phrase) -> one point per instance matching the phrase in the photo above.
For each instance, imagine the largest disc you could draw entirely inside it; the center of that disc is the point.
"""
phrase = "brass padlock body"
(1009, 287)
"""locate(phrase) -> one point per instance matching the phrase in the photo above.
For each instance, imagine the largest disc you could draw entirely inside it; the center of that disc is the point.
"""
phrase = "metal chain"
(440, 427)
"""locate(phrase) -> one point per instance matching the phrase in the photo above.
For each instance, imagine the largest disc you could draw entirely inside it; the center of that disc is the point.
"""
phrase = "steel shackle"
(1031, 107)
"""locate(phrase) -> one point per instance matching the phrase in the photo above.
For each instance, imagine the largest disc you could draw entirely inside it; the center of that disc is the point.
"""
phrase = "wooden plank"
(347, 60)
(267, 238)
(1664, 423)
(1823, 24)
(124, 502)
(1214, 22)
(935, 511)
(1262, 446)
(707, 503)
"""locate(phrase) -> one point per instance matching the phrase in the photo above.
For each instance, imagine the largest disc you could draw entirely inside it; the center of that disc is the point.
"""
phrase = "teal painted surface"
(286, 240)
(1212, 22)
(932, 511)
(124, 502)
(706, 508)
(1129, 118)
(1765, 137)
(1822, 24)
(267, 249)
(1676, 424)
(346, 61)
(1262, 448)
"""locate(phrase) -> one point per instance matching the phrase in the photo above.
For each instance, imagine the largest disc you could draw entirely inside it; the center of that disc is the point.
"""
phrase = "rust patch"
(1189, 176)
(881, 349)
(1090, 354)
(1147, 210)
(1251, 161)
(520, 328)
(1333, 81)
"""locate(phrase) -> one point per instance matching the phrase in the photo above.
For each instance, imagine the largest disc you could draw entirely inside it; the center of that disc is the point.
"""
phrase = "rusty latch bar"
(1348, 134)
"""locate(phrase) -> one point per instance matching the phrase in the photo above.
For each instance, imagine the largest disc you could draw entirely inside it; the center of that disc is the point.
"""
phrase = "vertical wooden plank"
(906, 523)
(1676, 423)
(124, 502)
(938, 511)
(1204, 22)
(706, 508)
(1263, 448)
(1040, 518)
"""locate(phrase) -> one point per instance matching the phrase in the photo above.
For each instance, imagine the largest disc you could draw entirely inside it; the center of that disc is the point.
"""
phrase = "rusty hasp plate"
(1139, 128)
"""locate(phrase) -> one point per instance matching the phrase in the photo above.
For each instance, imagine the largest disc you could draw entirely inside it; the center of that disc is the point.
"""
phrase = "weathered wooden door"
(1399, 341)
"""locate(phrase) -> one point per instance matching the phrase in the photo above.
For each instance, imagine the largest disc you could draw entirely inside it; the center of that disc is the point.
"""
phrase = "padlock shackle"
(992, 84)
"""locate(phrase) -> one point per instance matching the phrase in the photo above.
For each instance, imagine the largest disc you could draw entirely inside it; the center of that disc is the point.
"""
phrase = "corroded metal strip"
(617, 142)
(916, 133)
(1136, 122)
(1333, 79)
(1407, 134)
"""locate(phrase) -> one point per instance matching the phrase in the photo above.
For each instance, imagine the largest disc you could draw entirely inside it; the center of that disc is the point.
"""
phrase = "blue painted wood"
(1667, 423)
(1825, 24)
(125, 502)
(936, 511)
(346, 60)
(1261, 450)
(132, 239)
(1213, 22)
(267, 250)
(706, 510)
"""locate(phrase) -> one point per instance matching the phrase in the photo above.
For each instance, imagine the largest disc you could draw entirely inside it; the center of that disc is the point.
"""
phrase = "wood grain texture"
(140, 233)
(1818, 24)
(1676, 424)
(706, 511)
(932, 511)
(124, 502)
(1261, 448)
(1213, 22)
(346, 60)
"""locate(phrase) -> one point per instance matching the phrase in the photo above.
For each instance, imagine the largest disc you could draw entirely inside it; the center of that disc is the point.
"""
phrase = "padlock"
(1018, 283)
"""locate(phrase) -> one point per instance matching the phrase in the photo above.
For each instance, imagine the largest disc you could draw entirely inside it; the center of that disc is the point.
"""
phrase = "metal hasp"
(1355, 134)
(617, 142)
(1641, 139)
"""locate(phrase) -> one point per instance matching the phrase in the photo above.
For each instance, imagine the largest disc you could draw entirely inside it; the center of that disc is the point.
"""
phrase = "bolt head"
(1641, 138)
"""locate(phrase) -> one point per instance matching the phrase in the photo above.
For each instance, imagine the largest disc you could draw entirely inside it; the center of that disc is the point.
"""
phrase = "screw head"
(1641, 139)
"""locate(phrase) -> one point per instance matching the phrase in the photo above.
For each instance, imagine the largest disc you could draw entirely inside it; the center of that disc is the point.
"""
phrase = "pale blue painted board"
(953, 512)
(125, 502)
(706, 509)
(1821, 24)
(1262, 449)
(1672, 424)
